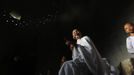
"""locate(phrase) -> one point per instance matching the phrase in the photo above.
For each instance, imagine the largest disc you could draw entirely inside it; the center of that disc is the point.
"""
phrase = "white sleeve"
(87, 43)
(129, 46)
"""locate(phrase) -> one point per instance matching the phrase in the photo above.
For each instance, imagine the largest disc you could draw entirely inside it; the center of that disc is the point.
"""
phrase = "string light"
(29, 20)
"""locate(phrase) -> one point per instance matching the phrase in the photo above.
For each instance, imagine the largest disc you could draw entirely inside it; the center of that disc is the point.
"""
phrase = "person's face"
(129, 28)
(76, 34)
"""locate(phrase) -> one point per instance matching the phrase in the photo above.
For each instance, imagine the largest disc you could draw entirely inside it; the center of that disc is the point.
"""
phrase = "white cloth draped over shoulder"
(86, 60)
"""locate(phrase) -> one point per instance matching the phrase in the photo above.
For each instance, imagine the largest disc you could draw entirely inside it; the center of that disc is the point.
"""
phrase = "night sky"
(35, 44)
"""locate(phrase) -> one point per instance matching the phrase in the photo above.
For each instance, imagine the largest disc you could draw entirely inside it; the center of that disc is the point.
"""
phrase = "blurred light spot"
(15, 15)
(4, 15)
(16, 24)
(12, 20)
(7, 21)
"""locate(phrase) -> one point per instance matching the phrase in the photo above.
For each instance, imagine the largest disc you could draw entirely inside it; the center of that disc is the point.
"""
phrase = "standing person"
(86, 60)
(127, 64)
(129, 29)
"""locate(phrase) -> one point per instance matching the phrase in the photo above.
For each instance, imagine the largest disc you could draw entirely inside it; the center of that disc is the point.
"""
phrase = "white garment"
(86, 60)
(130, 44)
(92, 57)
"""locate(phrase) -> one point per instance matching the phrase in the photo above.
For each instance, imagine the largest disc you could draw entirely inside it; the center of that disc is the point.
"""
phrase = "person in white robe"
(86, 60)
(129, 29)
(127, 64)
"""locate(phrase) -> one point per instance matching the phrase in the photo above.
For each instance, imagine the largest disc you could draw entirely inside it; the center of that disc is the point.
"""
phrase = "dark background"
(34, 48)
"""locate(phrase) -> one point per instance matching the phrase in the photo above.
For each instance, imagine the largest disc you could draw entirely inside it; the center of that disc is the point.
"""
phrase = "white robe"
(130, 44)
(86, 60)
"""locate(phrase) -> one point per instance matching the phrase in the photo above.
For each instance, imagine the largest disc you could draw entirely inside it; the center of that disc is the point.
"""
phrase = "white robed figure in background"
(86, 60)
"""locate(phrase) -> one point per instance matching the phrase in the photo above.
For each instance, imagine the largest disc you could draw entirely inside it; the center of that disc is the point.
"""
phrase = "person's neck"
(79, 37)
(131, 34)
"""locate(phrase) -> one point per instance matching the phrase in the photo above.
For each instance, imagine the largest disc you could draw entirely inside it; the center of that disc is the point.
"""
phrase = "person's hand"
(67, 42)
(71, 46)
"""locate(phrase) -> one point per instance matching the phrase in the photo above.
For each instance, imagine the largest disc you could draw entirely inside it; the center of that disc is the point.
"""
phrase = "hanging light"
(15, 15)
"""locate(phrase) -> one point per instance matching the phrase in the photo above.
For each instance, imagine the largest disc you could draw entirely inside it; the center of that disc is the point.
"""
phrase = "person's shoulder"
(128, 38)
(85, 37)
